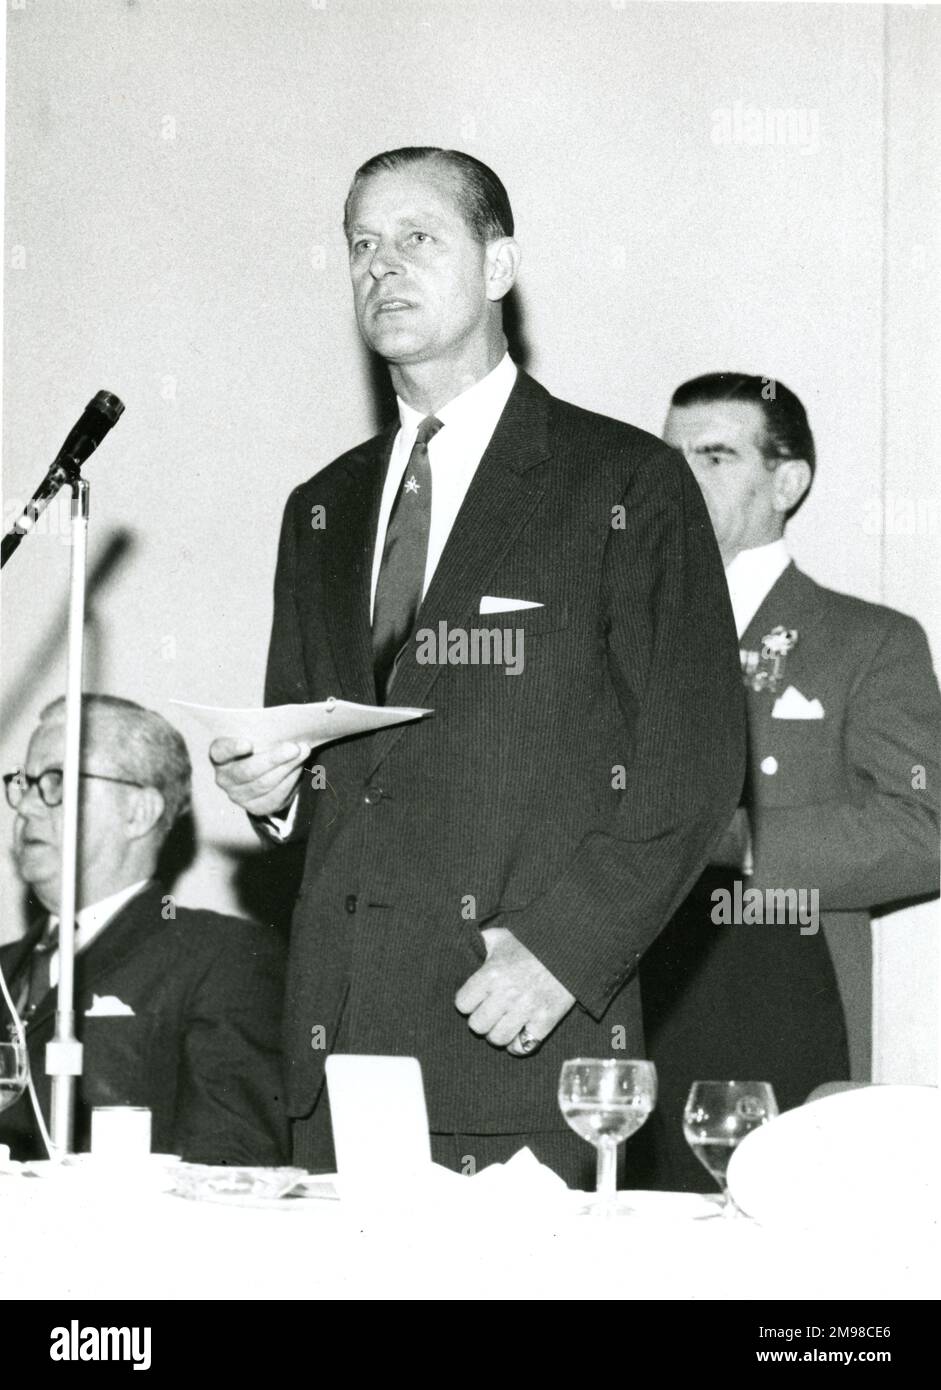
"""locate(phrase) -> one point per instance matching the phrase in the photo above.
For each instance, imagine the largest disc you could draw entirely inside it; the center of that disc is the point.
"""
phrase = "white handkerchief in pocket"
(491, 603)
(108, 1006)
(793, 705)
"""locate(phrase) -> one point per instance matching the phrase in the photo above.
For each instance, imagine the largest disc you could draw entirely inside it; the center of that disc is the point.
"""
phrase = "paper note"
(317, 723)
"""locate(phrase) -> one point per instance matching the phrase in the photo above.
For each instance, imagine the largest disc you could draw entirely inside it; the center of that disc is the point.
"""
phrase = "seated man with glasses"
(177, 1010)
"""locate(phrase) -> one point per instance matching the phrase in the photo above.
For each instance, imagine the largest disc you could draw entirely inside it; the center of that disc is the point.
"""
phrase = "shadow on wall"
(178, 852)
(51, 646)
(266, 883)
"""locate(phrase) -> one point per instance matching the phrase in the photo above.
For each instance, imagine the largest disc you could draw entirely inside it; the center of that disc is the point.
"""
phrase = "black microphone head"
(99, 416)
(108, 404)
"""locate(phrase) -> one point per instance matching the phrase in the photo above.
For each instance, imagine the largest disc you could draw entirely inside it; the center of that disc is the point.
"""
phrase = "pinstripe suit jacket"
(573, 803)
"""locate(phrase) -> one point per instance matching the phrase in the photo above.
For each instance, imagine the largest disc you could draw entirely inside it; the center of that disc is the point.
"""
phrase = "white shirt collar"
(751, 576)
(90, 920)
(474, 411)
(454, 455)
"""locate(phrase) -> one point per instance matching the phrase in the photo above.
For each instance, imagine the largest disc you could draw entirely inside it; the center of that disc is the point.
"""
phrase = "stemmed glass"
(717, 1117)
(606, 1101)
(14, 1069)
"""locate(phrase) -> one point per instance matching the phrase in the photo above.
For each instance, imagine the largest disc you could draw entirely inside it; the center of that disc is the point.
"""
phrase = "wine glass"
(14, 1069)
(717, 1117)
(606, 1101)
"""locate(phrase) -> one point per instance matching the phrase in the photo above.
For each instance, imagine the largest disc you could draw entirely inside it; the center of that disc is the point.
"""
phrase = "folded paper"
(316, 723)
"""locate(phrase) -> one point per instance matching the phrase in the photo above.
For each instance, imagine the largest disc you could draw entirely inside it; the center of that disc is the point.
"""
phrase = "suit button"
(350, 902)
(373, 796)
(769, 766)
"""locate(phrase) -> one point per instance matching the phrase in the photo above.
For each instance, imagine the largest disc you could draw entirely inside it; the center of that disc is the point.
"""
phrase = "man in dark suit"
(840, 807)
(177, 1010)
(479, 885)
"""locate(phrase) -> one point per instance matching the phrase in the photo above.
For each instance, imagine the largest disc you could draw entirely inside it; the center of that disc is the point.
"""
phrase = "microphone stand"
(56, 478)
(64, 1052)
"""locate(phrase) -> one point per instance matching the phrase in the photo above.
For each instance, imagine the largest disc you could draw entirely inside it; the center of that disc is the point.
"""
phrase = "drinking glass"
(13, 1071)
(717, 1117)
(606, 1101)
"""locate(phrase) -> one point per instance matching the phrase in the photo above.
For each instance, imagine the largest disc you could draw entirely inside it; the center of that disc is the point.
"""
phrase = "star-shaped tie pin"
(412, 484)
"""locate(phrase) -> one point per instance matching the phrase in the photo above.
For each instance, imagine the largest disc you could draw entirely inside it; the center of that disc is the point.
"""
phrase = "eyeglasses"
(49, 783)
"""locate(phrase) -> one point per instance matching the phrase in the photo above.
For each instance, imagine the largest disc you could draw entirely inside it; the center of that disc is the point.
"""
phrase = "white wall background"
(175, 173)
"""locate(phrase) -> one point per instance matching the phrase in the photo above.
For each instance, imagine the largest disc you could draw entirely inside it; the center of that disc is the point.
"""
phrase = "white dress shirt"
(89, 922)
(751, 576)
(454, 455)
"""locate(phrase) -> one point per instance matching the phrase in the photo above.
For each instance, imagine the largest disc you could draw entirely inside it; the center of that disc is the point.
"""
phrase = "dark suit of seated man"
(840, 808)
(177, 1010)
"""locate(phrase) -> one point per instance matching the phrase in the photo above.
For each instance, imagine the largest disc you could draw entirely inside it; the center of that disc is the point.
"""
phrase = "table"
(92, 1240)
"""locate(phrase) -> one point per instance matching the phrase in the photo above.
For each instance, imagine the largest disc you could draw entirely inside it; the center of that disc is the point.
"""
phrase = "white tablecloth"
(77, 1240)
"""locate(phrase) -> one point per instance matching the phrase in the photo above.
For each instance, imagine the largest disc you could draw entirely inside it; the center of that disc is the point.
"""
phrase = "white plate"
(867, 1156)
(249, 1186)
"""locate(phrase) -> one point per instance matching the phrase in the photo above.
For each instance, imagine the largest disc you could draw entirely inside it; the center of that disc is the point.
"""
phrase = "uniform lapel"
(779, 607)
(499, 501)
(787, 604)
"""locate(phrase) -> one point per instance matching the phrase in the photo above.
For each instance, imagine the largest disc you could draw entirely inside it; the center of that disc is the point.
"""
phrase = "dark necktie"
(40, 967)
(402, 572)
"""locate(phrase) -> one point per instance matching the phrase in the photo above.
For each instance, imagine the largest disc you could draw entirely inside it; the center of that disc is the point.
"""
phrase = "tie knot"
(428, 428)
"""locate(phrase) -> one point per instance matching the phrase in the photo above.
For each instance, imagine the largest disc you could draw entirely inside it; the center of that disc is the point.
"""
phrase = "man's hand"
(512, 989)
(262, 783)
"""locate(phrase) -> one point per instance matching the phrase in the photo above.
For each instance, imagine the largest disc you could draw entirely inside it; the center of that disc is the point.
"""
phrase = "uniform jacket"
(842, 799)
(847, 802)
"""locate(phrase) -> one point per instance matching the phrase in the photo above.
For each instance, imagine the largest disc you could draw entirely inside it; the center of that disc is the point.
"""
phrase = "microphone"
(99, 416)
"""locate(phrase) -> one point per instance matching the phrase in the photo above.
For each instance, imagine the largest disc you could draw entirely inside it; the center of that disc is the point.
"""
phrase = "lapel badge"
(764, 670)
(412, 484)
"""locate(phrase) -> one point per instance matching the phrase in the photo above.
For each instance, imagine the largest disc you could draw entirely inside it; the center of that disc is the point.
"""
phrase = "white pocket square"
(793, 705)
(107, 1006)
(490, 603)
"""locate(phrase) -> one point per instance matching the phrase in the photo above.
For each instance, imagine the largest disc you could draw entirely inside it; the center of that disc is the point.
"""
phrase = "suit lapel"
(778, 607)
(355, 504)
(499, 501)
(136, 922)
(790, 604)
